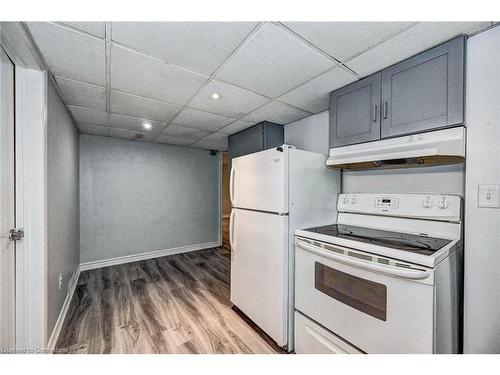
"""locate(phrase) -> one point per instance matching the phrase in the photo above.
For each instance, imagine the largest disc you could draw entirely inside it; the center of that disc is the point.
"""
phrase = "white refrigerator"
(274, 192)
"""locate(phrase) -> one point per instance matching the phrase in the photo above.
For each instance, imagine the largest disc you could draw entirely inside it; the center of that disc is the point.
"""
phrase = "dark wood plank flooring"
(225, 233)
(174, 304)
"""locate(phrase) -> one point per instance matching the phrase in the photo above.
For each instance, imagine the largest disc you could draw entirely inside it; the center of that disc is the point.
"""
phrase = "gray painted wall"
(138, 197)
(62, 203)
(311, 134)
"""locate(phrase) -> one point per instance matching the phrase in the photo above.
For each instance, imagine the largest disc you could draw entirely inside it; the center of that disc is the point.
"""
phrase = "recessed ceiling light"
(147, 126)
(215, 96)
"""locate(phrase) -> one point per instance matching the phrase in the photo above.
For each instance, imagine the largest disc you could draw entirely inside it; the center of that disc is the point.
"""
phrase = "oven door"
(377, 307)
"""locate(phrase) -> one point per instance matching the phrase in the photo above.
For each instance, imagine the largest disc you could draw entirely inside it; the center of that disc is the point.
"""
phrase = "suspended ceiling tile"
(130, 134)
(343, 40)
(272, 62)
(82, 94)
(138, 106)
(313, 95)
(145, 76)
(93, 129)
(185, 132)
(71, 54)
(216, 137)
(208, 145)
(197, 46)
(133, 123)
(167, 139)
(277, 112)
(88, 115)
(233, 101)
(235, 127)
(410, 42)
(95, 28)
(201, 120)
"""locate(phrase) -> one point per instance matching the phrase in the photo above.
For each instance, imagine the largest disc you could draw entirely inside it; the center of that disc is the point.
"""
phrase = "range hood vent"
(432, 148)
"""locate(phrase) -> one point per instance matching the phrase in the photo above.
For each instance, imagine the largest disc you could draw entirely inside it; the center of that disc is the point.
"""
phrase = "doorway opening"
(225, 202)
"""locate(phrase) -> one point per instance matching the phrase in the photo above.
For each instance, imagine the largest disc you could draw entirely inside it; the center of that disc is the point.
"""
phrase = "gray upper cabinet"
(424, 92)
(262, 136)
(355, 112)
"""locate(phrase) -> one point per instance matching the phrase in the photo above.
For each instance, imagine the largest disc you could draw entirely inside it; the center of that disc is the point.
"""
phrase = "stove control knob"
(443, 204)
(427, 203)
(354, 200)
(345, 200)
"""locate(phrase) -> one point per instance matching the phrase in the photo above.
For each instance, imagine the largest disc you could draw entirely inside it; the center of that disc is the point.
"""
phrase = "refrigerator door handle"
(231, 229)
(231, 185)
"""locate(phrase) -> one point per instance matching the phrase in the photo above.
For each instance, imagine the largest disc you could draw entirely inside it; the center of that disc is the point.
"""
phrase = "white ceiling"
(116, 76)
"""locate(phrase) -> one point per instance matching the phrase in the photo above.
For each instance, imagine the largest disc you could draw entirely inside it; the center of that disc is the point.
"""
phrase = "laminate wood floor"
(225, 233)
(174, 304)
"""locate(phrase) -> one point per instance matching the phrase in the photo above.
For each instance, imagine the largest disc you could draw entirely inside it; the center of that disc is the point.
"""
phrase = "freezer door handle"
(362, 264)
(231, 185)
(231, 229)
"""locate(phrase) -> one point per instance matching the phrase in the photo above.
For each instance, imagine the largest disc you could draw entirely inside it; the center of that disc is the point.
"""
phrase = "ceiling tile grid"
(95, 28)
(88, 115)
(70, 54)
(130, 134)
(185, 132)
(343, 40)
(115, 76)
(214, 141)
(93, 129)
(277, 112)
(201, 120)
(197, 46)
(235, 127)
(168, 139)
(410, 42)
(134, 123)
(273, 62)
(82, 94)
(313, 95)
(138, 106)
(152, 78)
(233, 102)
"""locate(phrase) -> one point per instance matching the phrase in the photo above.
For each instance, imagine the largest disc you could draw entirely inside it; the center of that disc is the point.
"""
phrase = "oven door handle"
(388, 270)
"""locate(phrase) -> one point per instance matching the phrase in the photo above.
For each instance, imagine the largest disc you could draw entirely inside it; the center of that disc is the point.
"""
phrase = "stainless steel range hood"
(432, 148)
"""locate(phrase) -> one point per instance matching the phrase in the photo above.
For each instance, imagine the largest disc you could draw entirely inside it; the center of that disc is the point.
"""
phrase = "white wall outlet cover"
(489, 196)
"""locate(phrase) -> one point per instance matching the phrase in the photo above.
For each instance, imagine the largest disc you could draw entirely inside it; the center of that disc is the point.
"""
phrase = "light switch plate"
(489, 196)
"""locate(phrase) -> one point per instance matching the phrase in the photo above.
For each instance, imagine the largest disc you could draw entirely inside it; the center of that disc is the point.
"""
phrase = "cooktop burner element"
(400, 241)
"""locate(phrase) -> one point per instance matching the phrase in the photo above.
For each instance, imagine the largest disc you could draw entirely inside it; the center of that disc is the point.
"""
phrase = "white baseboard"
(143, 256)
(51, 345)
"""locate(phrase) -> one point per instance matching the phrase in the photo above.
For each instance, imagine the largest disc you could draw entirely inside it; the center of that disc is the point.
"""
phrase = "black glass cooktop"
(395, 240)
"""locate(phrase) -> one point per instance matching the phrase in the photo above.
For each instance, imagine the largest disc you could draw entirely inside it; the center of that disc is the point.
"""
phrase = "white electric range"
(386, 278)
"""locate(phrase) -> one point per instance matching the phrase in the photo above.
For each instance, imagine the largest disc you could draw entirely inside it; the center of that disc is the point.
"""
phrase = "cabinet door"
(355, 112)
(246, 142)
(424, 92)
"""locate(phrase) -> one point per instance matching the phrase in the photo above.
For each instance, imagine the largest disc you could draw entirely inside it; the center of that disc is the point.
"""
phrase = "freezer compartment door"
(259, 181)
(259, 269)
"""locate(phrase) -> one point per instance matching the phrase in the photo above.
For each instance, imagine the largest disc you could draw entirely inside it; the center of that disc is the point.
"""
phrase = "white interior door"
(7, 199)
(259, 181)
(259, 269)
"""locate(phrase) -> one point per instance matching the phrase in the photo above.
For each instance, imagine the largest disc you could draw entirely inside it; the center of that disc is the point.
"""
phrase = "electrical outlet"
(60, 280)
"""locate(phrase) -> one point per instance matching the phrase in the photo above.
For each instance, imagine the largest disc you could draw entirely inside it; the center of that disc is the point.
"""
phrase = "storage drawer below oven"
(310, 338)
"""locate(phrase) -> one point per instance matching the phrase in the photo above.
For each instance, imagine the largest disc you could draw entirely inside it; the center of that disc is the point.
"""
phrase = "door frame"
(7, 201)
(31, 178)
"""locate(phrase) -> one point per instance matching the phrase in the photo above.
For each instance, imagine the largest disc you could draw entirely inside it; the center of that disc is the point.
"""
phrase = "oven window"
(363, 295)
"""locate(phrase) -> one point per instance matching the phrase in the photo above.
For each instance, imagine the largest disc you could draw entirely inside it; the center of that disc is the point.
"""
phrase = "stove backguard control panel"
(423, 206)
